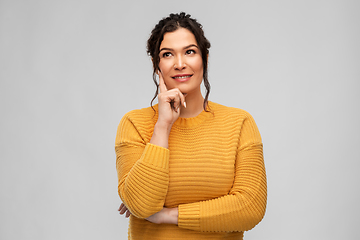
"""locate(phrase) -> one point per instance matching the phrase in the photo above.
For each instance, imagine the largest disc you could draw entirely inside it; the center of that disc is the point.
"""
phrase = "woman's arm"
(143, 168)
(244, 206)
(240, 210)
(166, 215)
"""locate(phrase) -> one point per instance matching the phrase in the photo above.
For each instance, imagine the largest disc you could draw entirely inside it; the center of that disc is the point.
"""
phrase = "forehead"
(179, 38)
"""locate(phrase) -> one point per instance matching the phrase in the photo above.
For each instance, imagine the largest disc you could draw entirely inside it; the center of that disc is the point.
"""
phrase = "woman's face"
(180, 61)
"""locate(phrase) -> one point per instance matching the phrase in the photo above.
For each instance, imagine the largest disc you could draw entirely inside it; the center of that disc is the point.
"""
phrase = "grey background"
(71, 69)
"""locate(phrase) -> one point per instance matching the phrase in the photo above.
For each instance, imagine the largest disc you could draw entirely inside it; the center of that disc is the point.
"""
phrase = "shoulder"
(229, 112)
(231, 117)
(141, 115)
(142, 119)
(137, 125)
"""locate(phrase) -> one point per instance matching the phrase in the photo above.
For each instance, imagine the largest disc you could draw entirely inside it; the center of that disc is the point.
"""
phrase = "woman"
(188, 168)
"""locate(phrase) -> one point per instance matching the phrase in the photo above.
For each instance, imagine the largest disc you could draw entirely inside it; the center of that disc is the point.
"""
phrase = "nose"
(179, 63)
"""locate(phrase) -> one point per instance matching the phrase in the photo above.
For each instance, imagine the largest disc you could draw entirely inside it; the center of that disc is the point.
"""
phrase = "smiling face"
(180, 61)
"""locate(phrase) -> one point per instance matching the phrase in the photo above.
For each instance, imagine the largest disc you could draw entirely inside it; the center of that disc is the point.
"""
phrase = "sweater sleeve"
(143, 171)
(244, 206)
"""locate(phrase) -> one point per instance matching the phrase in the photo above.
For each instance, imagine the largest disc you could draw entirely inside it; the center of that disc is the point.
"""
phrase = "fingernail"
(185, 104)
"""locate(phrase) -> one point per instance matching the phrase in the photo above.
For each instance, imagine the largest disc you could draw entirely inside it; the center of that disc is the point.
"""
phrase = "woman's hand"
(170, 102)
(169, 110)
(123, 209)
(166, 215)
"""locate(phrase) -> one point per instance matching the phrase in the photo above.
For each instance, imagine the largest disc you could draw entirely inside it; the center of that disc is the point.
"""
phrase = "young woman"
(188, 168)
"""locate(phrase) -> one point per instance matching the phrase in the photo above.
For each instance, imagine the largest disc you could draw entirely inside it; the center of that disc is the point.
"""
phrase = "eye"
(166, 54)
(190, 51)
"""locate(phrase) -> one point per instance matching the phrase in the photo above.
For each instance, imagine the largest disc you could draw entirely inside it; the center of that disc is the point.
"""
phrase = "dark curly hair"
(171, 24)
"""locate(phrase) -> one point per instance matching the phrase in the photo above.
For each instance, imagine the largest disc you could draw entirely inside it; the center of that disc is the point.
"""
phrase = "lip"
(182, 77)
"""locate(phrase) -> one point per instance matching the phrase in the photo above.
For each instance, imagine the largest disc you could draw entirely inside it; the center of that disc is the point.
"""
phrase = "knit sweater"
(213, 171)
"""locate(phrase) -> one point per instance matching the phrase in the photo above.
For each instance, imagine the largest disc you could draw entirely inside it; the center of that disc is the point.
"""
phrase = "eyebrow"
(170, 49)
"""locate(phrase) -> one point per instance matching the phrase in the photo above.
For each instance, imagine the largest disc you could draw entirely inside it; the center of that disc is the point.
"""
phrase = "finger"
(182, 97)
(172, 104)
(162, 85)
(128, 213)
(174, 98)
(121, 206)
(123, 209)
(179, 99)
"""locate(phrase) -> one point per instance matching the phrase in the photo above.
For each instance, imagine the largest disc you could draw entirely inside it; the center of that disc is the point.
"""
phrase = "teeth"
(183, 76)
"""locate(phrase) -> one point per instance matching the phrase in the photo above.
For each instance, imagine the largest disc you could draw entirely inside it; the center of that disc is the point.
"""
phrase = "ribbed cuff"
(156, 156)
(189, 216)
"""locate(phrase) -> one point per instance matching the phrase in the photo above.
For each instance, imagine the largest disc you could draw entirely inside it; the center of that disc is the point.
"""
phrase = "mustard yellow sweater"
(213, 171)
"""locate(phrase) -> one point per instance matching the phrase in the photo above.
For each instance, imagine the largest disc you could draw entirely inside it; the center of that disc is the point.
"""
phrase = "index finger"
(121, 206)
(162, 85)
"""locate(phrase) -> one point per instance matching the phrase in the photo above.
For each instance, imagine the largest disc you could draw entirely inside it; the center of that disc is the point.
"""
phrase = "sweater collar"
(194, 121)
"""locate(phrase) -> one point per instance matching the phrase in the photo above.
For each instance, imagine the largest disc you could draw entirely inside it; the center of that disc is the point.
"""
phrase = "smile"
(182, 77)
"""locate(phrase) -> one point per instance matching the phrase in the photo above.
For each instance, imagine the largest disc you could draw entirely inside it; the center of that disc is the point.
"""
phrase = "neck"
(194, 105)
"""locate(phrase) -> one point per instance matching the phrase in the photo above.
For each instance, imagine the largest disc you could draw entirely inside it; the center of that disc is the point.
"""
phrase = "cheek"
(196, 63)
(164, 66)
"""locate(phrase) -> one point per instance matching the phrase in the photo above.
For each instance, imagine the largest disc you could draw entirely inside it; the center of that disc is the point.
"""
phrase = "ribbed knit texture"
(213, 172)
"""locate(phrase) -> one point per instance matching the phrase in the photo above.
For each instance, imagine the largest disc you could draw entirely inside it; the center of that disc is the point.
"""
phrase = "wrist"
(162, 128)
(172, 214)
(160, 135)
